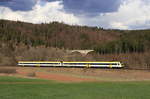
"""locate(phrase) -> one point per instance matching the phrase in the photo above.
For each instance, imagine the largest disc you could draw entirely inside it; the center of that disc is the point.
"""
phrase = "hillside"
(54, 34)
(73, 37)
(19, 39)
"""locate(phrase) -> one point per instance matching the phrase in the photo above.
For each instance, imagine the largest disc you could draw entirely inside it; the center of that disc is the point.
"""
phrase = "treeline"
(64, 36)
(26, 41)
(129, 42)
(54, 35)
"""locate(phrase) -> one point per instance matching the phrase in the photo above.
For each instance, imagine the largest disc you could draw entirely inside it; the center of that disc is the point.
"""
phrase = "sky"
(109, 14)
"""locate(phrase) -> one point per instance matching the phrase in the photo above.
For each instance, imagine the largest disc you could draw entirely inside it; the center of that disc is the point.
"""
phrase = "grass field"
(23, 88)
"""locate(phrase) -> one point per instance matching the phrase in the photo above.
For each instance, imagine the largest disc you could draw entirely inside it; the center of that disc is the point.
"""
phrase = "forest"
(49, 41)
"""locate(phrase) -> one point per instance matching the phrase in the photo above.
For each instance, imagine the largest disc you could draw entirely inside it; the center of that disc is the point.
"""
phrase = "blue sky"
(114, 14)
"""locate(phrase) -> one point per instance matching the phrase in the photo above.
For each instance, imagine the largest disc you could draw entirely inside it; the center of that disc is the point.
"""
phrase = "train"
(96, 64)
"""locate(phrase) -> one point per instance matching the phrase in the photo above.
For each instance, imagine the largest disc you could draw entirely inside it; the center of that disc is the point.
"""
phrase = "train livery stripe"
(70, 64)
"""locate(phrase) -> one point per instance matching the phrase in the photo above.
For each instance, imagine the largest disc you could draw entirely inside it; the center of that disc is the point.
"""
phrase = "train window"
(38, 63)
(103, 63)
(90, 63)
(75, 63)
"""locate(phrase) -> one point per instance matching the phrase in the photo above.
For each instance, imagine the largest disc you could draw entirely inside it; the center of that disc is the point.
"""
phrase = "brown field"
(78, 74)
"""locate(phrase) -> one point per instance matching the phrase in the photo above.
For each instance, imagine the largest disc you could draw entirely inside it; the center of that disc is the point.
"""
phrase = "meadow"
(25, 88)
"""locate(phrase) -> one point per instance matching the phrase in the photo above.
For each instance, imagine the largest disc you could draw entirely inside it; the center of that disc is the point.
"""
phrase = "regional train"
(81, 64)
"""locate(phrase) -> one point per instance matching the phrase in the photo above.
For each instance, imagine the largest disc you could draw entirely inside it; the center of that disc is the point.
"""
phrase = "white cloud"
(132, 14)
(41, 12)
(119, 25)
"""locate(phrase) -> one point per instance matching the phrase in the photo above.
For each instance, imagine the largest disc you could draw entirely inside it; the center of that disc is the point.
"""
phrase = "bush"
(32, 74)
(7, 71)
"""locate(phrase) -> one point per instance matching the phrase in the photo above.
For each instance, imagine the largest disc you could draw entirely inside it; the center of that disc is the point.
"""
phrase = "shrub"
(7, 70)
(31, 74)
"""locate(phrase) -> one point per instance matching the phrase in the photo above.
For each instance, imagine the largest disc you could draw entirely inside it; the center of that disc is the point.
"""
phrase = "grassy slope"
(51, 90)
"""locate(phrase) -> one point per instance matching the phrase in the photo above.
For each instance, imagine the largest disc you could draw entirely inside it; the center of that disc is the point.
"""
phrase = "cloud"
(18, 4)
(41, 12)
(132, 14)
(91, 7)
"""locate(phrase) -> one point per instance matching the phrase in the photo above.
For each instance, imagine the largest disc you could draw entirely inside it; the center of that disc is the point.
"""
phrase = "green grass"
(55, 90)
(17, 79)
